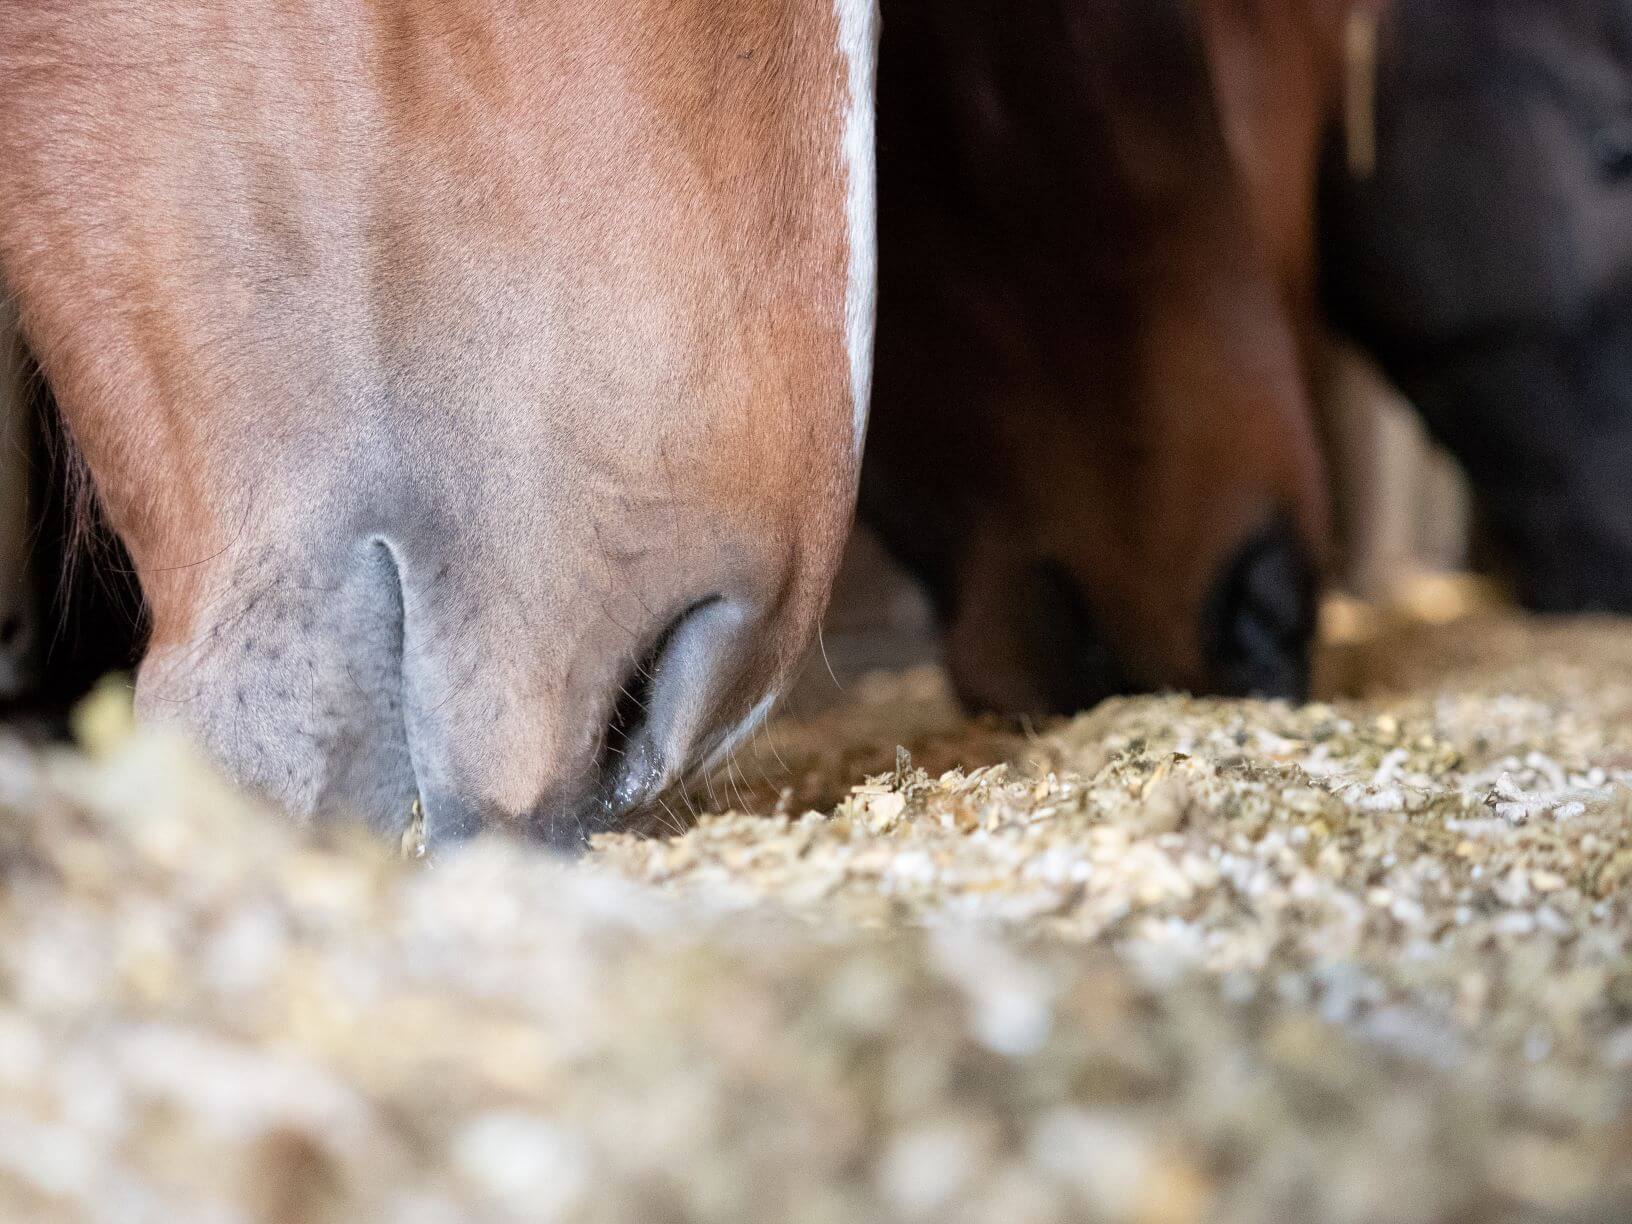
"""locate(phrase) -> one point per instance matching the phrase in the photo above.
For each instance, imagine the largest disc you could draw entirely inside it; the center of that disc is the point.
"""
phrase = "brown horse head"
(1092, 433)
(476, 387)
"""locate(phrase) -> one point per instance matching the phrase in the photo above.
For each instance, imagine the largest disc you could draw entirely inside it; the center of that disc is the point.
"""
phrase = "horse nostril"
(1072, 657)
(11, 629)
(631, 762)
(1258, 622)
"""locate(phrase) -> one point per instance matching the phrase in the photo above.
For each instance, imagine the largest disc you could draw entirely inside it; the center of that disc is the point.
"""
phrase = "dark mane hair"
(91, 604)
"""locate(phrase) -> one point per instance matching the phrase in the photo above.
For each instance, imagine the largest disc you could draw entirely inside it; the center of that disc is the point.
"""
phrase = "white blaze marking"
(858, 40)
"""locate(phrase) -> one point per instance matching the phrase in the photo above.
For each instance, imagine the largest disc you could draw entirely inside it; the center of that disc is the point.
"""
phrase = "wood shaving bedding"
(1174, 961)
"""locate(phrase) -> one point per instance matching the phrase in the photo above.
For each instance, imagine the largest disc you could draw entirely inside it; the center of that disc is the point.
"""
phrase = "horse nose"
(428, 671)
(1258, 620)
(625, 724)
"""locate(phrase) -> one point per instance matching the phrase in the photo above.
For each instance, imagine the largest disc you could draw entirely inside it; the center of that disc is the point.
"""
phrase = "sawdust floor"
(1173, 962)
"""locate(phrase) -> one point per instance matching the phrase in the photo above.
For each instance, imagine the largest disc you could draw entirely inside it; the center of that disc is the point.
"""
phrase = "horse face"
(477, 395)
(1093, 438)
(1488, 265)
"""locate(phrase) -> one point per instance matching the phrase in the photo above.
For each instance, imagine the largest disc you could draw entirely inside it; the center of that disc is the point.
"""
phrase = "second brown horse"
(1092, 433)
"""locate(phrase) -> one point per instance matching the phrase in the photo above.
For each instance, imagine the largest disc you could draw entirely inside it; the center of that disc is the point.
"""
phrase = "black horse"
(1487, 264)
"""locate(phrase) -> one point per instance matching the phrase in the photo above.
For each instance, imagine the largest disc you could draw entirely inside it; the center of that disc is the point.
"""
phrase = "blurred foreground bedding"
(1174, 962)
